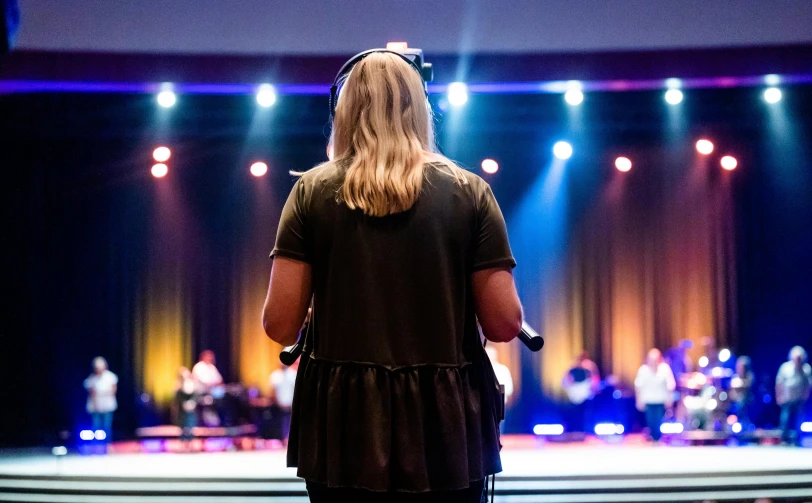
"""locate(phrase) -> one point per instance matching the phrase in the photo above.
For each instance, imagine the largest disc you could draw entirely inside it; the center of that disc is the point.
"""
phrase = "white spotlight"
(100, 434)
(457, 93)
(724, 355)
(490, 166)
(704, 147)
(609, 429)
(623, 164)
(673, 83)
(161, 154)
(548, 429)
(671, 428)
(711, 404)
(729, 162)
(167, 99)
(703, 361)
(266, 95)
(737, 427)
(259, 168)
(673, 96)
(562, 150)
(772, 95)
(86, 434)
(574, 97)
(60, 450)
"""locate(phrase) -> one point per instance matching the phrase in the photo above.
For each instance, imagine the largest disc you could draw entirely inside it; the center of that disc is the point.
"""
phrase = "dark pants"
(791, 421)
(188, 422)
(103, 421)
(322, 494)
(743, 413)
(655, 412)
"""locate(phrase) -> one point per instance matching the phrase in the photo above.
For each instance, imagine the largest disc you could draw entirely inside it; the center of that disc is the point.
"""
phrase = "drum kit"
(704, 398)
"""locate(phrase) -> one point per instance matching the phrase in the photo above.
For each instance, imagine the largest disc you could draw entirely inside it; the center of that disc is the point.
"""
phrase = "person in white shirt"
(792, 387)
(283, 383)
(654, 386)
(206, 373)
(101, 388)
(503, 376)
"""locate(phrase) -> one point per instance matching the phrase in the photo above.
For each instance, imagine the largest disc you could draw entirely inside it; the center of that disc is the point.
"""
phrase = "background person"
(101, 388)
(741, 390)
(402, 252)
(187, 395)
(206, 374)
(792, 386)
(654, 386)
(283, 383)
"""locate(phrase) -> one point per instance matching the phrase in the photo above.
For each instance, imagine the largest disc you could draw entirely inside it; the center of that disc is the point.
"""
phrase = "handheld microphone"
(531, 338)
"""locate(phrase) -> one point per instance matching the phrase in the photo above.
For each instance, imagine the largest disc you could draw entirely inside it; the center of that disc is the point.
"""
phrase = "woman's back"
(389, 386)
(402, 253)
(394, 291)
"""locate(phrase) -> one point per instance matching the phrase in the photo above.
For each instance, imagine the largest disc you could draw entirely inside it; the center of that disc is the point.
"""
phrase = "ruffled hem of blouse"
(414, 429)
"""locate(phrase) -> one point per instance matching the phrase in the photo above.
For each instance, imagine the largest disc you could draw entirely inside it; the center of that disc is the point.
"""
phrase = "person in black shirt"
(402, 252)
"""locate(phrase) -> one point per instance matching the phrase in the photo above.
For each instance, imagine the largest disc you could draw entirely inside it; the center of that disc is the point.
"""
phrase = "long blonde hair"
(384, 137)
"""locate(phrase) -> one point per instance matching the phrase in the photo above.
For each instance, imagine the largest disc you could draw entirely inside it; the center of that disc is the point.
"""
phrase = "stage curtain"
(649, 262)
(163, 322)
(254, 355)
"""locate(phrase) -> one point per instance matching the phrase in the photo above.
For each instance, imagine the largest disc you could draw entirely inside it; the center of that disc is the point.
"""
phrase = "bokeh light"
(266, 95)
(673, 96)
(729, 163)
(574, 97)
(159, 170)
(167, 99)
(623, 164)
(704, 147)
(259, 168)
(490, 166)
(161, 154)
(772, 95)
(457, 94)
(562, 150)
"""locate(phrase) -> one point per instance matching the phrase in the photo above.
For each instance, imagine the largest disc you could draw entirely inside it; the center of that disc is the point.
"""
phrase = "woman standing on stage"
(402, 252)
(654, 386)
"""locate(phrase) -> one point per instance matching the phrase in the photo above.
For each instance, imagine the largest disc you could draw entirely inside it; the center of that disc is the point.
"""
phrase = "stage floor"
(549, 472)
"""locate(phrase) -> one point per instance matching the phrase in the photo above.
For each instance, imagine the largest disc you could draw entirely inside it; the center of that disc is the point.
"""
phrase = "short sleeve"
(290, 238)
(113, 378)
(492, 246)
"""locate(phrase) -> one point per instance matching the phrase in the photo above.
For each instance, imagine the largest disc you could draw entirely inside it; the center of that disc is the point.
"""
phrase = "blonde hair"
(383, 136)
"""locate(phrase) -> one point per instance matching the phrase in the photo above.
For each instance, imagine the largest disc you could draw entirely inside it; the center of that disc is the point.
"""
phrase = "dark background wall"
(81, 215)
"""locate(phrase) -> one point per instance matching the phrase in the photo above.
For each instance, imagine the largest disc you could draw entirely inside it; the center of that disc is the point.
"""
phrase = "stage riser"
(788, 496)
(783, 488)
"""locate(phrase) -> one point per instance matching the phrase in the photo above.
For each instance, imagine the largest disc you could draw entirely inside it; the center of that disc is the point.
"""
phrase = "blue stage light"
(562, 150)
(457, 94)
(673, 96)
(167, 99)
(266, 95)
(772, 95)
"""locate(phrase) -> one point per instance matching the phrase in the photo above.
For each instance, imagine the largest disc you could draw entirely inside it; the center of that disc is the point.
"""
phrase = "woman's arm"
(289, 294)
(497, 304)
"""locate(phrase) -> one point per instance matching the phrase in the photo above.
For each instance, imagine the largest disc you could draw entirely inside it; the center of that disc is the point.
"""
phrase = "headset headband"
(415, 61)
